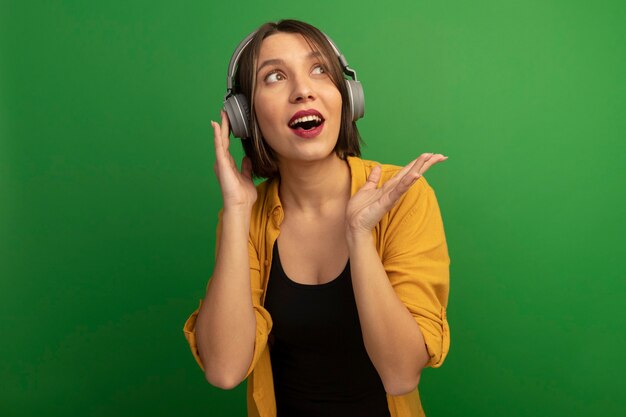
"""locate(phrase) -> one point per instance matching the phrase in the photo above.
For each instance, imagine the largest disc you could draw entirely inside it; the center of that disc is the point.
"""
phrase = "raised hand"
(238, 190)
(368, 205)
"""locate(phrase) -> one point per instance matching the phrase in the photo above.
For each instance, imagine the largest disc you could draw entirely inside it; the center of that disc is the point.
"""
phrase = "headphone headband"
(234, 60)
(236, 105)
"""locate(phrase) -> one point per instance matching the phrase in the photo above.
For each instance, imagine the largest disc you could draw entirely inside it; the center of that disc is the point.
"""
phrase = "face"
(291, 78)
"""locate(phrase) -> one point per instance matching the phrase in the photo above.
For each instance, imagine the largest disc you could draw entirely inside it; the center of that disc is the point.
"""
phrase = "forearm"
(392, 338)
(226, 323)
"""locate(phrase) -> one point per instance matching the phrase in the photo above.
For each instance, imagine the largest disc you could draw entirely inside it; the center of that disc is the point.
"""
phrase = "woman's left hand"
(370, 203)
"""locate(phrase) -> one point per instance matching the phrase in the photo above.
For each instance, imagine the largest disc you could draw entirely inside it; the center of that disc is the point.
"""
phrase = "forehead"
(284, 46)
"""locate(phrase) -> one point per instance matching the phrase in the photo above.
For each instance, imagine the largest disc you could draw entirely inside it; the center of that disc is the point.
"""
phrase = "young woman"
(331, 278)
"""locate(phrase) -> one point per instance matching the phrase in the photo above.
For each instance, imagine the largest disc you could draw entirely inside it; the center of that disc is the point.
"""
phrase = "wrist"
(237, 216)
(359, 237)
(237, 210)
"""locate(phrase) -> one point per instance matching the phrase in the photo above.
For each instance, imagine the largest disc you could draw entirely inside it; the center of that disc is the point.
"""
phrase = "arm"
(221, 333)
(401, 299)
(226, 324)
(392, 338)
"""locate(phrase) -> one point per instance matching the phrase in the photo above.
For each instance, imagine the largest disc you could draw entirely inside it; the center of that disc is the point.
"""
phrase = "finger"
(415, 170)
(222, 155)
(393, 181)
(225, 129)
(434, 159)
(401, 187)
(421, 165)
(219, 153)
(422, 159)
(413, 175)
(402, 183)
(217, 139)
(215, 169)
(223, 158)
(373, 178)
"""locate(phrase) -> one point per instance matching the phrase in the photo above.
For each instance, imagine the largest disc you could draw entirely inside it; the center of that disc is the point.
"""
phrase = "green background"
(108, 199)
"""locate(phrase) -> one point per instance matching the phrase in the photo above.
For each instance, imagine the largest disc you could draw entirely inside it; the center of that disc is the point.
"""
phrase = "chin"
(296, 148)
(317, 155)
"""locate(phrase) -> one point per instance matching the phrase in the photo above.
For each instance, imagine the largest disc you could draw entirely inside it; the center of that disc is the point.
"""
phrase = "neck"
(313, 187)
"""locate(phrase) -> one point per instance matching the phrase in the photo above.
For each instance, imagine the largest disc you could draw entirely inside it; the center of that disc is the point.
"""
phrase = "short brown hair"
(264, 162)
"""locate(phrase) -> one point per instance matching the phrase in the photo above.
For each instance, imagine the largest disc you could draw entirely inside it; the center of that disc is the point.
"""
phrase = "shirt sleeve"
(263, 318)
(415, 257)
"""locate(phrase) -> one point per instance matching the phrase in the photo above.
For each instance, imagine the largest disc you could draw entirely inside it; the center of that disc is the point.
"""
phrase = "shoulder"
(263, 187)
(267, 197)
(267, 203)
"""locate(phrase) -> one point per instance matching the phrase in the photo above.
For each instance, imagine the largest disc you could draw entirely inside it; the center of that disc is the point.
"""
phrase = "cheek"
(336, 105)
(262, 115)
(264, 108)
(336, 99)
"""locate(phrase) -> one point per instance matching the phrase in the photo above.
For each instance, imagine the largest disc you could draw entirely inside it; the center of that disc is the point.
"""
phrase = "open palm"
(368, 205)
(238, 189)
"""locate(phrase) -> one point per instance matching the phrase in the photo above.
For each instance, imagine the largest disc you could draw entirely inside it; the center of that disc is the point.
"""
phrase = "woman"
(331, 277)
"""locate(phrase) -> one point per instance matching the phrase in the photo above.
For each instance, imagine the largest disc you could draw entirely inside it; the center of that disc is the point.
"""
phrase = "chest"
(313, 252)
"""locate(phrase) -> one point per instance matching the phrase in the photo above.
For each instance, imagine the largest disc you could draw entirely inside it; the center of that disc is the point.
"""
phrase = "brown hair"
(264, 162)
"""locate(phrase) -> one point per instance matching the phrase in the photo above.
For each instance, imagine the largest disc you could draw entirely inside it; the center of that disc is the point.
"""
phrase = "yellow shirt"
(411, 242)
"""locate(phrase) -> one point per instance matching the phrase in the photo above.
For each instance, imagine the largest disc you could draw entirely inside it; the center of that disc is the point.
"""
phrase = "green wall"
(108, 200)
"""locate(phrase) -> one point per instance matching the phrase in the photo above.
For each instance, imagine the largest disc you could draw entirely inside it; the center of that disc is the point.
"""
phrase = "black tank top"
(319, 362)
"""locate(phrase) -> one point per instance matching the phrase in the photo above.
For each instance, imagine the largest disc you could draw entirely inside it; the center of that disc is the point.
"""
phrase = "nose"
(302, 90)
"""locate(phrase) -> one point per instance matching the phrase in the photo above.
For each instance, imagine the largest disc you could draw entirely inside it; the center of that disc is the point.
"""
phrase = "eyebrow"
(313, 54)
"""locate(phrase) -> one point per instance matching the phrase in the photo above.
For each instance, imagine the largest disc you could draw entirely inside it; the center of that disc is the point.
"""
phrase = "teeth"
(306, 119)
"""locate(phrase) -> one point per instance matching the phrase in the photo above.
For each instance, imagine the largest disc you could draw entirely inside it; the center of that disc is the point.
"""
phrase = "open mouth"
(306, 122)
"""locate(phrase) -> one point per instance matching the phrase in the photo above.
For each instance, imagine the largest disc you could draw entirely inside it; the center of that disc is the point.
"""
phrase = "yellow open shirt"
(411, 243)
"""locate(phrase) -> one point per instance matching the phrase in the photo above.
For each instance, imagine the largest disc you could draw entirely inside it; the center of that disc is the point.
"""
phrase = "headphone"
(236, 105)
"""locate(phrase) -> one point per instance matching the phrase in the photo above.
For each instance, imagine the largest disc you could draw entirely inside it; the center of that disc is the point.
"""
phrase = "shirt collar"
(357, 170)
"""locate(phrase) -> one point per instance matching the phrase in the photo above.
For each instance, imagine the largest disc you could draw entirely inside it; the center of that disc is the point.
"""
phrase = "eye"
(274, 76)
(321, 68)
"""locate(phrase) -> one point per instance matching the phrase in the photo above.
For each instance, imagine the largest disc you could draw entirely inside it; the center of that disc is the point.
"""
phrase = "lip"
(307, 134)
(308, 112)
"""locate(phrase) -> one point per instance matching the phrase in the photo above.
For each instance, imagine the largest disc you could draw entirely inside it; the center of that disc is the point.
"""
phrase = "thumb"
(373, 178)
(246, 167)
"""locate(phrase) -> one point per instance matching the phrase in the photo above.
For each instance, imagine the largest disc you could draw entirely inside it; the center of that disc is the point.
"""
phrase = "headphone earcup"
(236, 107)
(357, 99)
(238, 112)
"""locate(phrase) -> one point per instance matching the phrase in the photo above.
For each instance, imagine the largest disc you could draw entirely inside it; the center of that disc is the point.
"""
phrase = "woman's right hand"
(238, 190)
